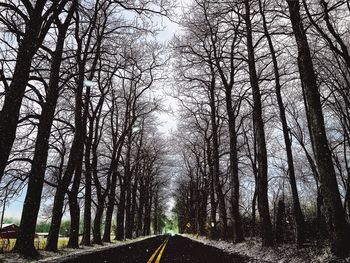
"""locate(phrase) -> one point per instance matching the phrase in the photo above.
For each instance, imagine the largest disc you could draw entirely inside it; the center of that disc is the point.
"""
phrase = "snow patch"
(286, 253)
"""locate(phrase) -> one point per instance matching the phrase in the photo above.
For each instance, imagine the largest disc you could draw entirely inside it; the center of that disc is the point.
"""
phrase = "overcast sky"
(168, 120)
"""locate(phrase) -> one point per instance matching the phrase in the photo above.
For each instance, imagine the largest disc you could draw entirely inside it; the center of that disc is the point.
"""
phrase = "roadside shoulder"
(68, 253)
(286, 253)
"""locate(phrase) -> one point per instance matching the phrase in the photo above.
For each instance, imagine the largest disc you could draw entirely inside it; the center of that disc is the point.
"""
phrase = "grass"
(6, 245)
(39, 243)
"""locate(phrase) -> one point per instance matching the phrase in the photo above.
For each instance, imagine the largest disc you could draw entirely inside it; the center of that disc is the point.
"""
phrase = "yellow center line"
(161, 252)
(155, 253)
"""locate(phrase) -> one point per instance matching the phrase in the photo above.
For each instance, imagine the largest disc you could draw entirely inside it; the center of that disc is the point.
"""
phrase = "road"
(164, 249)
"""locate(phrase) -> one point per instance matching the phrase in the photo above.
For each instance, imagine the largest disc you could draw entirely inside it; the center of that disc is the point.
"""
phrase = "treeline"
(264, 139)
(77, 122)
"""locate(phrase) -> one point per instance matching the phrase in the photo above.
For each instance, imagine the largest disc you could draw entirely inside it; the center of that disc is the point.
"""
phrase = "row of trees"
(264, 99)
(77, 121)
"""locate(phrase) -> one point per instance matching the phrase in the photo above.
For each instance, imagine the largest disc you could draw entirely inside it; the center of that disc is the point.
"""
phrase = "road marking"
(156, 252)
(161, 252)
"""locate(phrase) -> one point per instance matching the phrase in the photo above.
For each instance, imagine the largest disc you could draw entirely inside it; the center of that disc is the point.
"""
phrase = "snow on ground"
(286, 253)
(66, 253)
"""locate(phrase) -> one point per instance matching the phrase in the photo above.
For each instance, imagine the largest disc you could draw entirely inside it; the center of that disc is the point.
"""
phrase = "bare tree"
(25, 241)
(36, 20)
(335, 214)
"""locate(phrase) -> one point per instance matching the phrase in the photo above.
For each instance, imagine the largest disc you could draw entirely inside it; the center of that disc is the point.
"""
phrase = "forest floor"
(46, 256)
(252, 248)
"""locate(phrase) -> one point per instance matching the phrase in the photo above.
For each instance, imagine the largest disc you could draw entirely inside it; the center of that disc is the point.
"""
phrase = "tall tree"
(339, 230)
(226, 71)
(76, 153)
(25, 241)
(259, 133)
(298, 214)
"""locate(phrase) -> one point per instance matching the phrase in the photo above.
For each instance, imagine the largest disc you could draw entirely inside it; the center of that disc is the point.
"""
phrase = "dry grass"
(64, 252)
(39, 243)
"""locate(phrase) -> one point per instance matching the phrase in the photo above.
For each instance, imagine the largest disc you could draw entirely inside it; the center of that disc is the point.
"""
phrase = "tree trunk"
(73, 160)
(136, 184)
(213, 230)
(255, 196)
(73, 194)
(97, 224)
(339, 232)
(204, 191)
(74, 211)
(216, 162)
(127, 183)
(121, 212)
(236, 216)
(110, 208)
(117, 151)
(203, 212)
(298, 214)
(86, 239)
(155, 213)
(25, 240)
(128, 226)
(148, 209)
(74, 205)
(140, 210)
(134, 202)
(57, 213)
(280, 221)
(259, 132)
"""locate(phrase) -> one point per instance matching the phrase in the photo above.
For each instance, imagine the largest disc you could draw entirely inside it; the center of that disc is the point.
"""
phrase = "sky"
(167, 119)
(171, 27)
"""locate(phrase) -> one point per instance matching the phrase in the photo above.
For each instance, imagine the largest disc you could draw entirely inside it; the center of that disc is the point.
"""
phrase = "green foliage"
(171, 226)
(64, 229)
(42, 227)
(11, 220)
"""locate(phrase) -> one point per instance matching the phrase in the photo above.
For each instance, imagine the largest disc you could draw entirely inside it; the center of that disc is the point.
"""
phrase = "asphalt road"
(165, 249)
